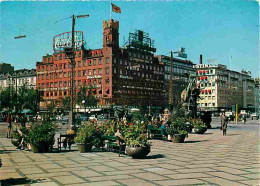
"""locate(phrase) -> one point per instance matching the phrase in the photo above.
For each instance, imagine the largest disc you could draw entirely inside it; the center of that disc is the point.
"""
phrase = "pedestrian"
(244, 118)
(9, 126)
(224, 121)
(23, 121)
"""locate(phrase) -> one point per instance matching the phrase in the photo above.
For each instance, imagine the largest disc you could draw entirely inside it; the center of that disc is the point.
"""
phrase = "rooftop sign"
(64, 40)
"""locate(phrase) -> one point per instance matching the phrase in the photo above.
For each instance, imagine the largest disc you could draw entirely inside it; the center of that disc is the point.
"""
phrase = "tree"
(65, 104)
(89, 99)
(7, 98)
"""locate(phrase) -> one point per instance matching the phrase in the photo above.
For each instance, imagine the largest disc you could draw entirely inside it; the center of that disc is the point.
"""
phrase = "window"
(60, 57)
(84, 63)
(42, 76)
(60, 75)
(55, 57)
(79, 73)
(100, 61)
(94, 61)
(65, 83)
(100, 71)
(60, 84)
(107, 60)
(51, 67)
(84, 72)
(79, 64)
(94, 72)
(55, 76)
(51, 85)
(47, 76)
(65, 74)
(107, 70)
(79, 82)
(107, 80)
(89, 72)
(79, 54)
(55, 84)
(89, 63)
(64, 66)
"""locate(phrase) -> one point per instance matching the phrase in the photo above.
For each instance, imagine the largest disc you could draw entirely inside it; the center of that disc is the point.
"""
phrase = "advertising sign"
(64, 40)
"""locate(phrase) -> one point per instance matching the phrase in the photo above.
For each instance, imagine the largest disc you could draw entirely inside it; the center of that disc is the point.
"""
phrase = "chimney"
(200, 58)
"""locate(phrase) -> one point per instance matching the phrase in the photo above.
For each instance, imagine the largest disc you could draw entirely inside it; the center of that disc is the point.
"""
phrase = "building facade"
(114, 75)
(18, 78)
(181, 70)
(221, 88)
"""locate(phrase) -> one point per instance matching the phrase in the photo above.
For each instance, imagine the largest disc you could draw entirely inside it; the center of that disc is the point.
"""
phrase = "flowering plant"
(197, 123)
(178, 126)
(135, 136)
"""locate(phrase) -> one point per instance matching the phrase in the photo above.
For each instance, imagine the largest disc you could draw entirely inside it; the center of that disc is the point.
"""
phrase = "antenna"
(20, 36)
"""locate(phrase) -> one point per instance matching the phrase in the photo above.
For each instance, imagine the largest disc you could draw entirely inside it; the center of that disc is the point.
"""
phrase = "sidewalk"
(209, 159)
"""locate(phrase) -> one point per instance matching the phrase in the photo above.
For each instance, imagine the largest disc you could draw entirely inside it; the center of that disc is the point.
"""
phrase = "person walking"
(9, 126)
(224, 121)
(244, 118)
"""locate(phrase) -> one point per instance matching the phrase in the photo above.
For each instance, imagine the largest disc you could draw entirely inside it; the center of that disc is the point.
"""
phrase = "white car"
(254, 115)
(92, 117)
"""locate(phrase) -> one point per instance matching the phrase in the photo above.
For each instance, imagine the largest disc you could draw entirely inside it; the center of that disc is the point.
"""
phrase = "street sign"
(233, 108)
(64, 40)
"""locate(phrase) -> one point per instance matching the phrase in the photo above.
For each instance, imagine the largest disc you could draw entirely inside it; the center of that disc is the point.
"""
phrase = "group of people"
(21, 119)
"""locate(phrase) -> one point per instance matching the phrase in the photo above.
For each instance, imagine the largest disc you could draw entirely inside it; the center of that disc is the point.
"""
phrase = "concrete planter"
(138, 152)
(84, 147)
(178, 138)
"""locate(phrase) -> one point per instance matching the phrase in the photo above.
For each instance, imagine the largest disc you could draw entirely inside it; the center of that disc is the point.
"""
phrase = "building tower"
(110, 49)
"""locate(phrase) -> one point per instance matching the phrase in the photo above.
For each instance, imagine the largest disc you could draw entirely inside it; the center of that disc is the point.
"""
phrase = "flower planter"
(41, 147)
(15, 142)
(178, 138)
(138, 152)
(84, 147)
(200, 130)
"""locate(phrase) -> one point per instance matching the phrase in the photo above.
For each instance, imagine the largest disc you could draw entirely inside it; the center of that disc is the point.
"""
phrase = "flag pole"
(110, 11)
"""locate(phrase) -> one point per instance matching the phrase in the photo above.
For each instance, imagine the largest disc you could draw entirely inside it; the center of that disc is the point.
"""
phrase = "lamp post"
(71, 54)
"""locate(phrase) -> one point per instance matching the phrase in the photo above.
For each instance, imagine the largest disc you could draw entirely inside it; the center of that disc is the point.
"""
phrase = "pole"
(171, 81)
(110, 11)
(236, 113)
(72, 71)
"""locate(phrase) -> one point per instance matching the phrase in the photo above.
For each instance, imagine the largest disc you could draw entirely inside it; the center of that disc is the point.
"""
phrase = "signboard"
(64, 40)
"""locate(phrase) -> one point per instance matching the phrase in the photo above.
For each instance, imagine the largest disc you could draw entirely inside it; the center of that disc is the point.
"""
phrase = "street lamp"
(71, 54)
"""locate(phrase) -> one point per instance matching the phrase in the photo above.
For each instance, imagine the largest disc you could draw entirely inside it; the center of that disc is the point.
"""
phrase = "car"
(84, 118)
(254, 115)
(92, 117)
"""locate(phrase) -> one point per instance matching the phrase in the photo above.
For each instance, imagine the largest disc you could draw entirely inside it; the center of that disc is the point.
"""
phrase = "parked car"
(254, 116)
(92, 117)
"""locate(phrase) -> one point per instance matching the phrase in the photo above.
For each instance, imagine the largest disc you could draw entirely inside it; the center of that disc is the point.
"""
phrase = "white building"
(18, 78)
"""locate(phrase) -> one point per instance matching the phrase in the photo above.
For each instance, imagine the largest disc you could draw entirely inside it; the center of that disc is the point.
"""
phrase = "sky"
(227, 31)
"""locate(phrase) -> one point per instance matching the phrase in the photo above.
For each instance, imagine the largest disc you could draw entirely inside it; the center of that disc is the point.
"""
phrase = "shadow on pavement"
(195, 141)
(156, 156)
(18, 181)
(7, 151)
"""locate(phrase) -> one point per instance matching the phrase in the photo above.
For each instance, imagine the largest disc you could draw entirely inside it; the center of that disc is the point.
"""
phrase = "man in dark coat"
(224, 122)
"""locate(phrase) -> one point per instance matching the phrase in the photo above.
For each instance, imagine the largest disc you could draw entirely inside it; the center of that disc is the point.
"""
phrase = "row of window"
(207, 104)
(67, 93)
(61, 84)
(140, 55)
(79, 73)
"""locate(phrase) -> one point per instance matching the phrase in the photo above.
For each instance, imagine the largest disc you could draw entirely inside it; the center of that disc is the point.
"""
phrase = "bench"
(69, 137)
(155, 133)
(111, 142)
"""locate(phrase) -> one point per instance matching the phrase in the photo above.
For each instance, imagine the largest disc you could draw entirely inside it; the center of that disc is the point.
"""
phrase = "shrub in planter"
(136, 141)
(199, 126)
(41, 136)
(87, 137)
(178, 130)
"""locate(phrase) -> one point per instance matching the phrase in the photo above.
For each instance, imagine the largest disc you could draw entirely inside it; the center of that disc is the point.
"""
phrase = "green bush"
(178, 126)
(41, 133)
(87, 134)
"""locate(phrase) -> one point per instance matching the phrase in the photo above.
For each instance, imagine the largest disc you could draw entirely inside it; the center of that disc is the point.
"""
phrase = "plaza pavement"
(209, 159)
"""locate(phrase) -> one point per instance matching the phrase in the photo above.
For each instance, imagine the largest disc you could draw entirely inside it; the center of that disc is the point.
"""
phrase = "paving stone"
(31, 170)
(180, 182)
(45, 184)
(230, 170)
(98, 183)
(150, 176)
(221, 181)
(226, 176)
(116, 177)
(50, 166)
(127, 172)
(136, 182)
(251, 182)
(87, 173)
(10, 175)
(69, 179)
(46, 175)
(188, 175)
(102, 168)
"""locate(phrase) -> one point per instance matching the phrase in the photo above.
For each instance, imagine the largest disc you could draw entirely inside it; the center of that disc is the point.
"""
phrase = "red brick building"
(117, 76)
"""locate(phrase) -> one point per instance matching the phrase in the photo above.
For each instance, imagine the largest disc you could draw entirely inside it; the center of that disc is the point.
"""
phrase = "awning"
(91, 110)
